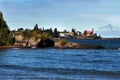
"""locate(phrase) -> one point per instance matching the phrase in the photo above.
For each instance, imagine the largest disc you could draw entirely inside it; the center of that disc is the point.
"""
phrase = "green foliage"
(49, 31)
(36, 27)
(65, 31)
(1, 15)
(5, 36)
(63, 42)
(4, 30)
(85, 33)
(45, 36)
(10, 39)
(73, 30)
(57, 39)
(56, 33)
(20, 29)
(27, 34)
(2, 42)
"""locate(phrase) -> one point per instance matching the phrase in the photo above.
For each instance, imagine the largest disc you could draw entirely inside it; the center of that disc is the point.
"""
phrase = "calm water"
(109, 44)
(57, 64)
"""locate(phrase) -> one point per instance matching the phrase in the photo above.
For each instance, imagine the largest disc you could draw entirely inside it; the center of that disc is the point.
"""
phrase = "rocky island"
(41, 38)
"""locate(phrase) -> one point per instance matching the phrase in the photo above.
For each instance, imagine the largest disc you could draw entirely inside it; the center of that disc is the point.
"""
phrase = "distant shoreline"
(110, 38)
(13, 46)
(92, 38)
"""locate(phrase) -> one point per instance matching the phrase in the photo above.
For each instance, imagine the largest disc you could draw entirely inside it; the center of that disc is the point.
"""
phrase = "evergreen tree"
(73, 30)
(36, 27)
(4, 31)
(27, 34)
(65, 31)
(20, 29)
(56, 34)
(85, 33)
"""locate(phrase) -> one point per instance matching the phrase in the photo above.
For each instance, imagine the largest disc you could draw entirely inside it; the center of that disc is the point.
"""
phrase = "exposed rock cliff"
(32, 42)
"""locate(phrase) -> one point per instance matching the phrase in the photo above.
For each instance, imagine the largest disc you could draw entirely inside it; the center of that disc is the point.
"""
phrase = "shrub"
(45, 36)
(57, 39)
(63, 42)
(10, 40)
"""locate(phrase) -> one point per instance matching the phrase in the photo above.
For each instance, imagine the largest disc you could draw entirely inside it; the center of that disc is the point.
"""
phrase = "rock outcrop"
(19, 41)
(32, 42)
(71, 45)
(45, 43)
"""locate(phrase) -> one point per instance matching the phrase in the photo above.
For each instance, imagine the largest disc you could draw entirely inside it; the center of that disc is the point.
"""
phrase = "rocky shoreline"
(20, 42)
(57, 45)
(71, 45)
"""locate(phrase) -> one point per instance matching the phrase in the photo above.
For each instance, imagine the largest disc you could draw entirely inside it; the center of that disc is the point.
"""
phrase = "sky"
(102, 15)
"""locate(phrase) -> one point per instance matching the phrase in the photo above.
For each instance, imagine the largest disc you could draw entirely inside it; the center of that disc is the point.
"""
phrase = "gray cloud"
(108, 27)
(109, 31)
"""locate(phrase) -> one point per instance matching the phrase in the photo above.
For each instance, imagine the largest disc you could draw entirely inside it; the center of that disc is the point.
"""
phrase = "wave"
(62, 70)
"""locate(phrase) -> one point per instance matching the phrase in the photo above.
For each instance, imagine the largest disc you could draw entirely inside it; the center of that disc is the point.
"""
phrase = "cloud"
(109, 31)
(107, 27)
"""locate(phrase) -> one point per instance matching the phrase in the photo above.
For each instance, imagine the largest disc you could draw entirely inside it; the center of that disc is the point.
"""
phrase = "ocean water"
(59, 64)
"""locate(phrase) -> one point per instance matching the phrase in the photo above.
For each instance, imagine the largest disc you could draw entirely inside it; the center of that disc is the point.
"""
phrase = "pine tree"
(36, 27)
(55, 33)
(4, 31)
(73, 30)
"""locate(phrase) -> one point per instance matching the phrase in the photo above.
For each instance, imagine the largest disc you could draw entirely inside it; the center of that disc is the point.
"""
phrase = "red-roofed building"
(88, 33)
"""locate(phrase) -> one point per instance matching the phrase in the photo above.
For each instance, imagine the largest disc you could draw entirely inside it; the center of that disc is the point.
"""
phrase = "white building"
(65, 35)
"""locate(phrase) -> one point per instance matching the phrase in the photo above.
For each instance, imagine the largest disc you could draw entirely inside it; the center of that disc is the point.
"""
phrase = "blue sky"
(102, 15)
